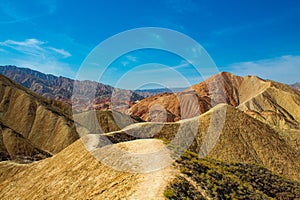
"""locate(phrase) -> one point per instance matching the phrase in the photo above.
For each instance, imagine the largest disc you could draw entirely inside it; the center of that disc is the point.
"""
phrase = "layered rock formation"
(223, 133)
(269, 101)
(242, 140)
(61, 88)
(33, 127)
(31, 121)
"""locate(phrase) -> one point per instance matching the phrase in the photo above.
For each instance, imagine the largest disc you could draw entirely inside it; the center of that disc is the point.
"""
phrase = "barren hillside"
(296, 85)
(230, 154)
(75, 174)
(32, 125)
(271, 102)
(104, 121)
(240, 138)
(61, 88)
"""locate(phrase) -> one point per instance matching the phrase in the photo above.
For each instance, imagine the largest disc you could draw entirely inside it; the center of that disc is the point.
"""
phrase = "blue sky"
(243, 37)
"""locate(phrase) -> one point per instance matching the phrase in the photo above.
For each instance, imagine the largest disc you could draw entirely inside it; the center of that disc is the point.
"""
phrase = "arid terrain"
(273, 102)
(296, 85)
(228, 137)
(61, 88)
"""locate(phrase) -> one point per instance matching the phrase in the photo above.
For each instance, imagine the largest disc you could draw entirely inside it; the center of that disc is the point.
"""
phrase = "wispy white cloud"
(129, 59)
(284, 69)
(29, 46)
(36, 54)
(181, 65)
(34, 47)
(28, 43)
(62, 52)
(132, 58)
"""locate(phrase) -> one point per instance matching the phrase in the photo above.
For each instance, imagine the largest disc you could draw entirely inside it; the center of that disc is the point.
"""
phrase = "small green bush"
(168, 193)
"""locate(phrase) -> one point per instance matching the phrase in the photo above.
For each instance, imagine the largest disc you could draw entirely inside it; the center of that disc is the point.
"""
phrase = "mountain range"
(242, 138)
(61, 88)
(274, 103)
(296, 85)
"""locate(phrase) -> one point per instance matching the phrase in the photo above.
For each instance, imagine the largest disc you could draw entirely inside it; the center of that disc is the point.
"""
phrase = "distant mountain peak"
(251, 94)
(296, 86)
(61, 88)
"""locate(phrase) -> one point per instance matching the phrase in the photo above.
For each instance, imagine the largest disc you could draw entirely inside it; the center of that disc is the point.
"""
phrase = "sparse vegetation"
(222, 180)
(181, 189)
(33, 128)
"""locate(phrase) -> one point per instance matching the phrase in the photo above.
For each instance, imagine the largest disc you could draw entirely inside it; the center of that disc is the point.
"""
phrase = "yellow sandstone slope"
(75, 174)
(240, 138)
(32, 122)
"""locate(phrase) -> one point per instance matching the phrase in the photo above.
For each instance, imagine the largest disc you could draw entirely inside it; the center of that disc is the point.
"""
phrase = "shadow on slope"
(241, 139)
